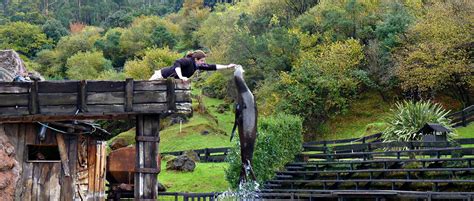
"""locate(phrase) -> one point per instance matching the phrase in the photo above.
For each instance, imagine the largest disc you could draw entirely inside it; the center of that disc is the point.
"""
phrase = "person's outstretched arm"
(211, 67)
(219, 66)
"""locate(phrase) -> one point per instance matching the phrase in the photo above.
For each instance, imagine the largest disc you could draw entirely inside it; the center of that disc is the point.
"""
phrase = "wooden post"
(170, 94)
(146, 167)
(128, 95)
(33, 99)
(82, 96)
(463, 117)
(63, 154)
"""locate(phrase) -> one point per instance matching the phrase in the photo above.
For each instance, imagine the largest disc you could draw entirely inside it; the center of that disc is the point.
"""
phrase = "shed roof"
(430, 127)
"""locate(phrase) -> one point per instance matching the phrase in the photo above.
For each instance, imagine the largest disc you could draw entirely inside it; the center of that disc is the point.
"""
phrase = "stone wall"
(9, 167)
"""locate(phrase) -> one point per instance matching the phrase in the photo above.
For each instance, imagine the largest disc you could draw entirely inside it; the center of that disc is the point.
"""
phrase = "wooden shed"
(432, 132)
(56, 157)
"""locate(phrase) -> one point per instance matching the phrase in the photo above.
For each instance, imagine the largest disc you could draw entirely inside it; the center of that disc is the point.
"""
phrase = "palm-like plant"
(408, 117)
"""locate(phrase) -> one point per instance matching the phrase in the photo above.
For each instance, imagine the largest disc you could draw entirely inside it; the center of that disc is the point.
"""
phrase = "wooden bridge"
(24, 103)
(65, 100)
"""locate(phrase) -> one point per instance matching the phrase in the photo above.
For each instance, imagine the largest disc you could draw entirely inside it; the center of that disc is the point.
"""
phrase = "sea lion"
(246, 121)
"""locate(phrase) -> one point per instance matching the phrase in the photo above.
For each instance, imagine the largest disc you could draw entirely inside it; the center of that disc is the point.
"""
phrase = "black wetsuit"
(188, 67)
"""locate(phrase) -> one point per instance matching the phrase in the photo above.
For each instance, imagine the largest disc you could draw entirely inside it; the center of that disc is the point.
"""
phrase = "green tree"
(119, 18)
(379, 50)
(54, 62)
(322, 83)
(215, 86)
(189, 24)
(437, 54)
(23, 37)
(54, 29)
(50, 64)
(78, 42)
(162, 37)
(87, 65)
(154, 59)
(110, 46)
(138, 36)
(339, 20)
(27, 11)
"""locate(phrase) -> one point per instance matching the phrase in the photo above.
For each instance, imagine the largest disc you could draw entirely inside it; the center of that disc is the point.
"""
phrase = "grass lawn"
(364, 117)
(466, 132)
(219, 126)
(190, 136)
(226, 119)
(207, 177)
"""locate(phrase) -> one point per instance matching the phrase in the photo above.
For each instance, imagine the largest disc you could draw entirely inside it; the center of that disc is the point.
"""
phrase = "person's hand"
(185, 79)
(231, 65)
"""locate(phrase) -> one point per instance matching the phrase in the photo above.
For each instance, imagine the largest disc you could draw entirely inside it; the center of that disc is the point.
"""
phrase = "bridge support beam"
(146, 167)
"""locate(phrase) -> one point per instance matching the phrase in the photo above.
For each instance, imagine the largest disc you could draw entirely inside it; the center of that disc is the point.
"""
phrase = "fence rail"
(205, 155)
(463, 117)
(305, 194)
(374, 137)
(372, 146)
(175, 196)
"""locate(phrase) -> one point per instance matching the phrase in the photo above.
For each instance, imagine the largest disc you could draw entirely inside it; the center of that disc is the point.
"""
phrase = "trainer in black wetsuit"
(185, 67)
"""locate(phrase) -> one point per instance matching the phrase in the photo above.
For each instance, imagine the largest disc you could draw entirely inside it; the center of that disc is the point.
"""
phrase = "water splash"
(246, 191)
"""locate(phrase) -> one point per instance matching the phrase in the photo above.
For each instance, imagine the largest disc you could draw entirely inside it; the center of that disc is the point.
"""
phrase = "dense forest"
(310, 58)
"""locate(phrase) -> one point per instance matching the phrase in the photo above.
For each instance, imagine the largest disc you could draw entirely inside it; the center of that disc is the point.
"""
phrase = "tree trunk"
(5, 7)
(46, 5)
(79, 9)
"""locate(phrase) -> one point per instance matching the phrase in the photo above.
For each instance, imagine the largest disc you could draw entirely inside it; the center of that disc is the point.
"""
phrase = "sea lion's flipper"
(237, 116)
(252, 173)
(247, 173)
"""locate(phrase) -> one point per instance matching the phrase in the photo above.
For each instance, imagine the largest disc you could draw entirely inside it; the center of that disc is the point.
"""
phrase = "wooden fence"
(175, 196)
(377, 145)
(307, 194)
(463, 117)
(313, 194)
(206, 155)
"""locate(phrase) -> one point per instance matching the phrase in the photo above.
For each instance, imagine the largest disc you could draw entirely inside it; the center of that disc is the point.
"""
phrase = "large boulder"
(161, 187)
(192, 155)
(118, 143)
(181, 163)
(12, 66)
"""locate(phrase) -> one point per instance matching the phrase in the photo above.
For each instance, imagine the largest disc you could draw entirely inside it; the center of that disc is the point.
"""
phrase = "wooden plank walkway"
(67, 100)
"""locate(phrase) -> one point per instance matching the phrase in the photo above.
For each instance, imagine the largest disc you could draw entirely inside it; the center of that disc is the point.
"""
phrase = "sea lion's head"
(239, 71)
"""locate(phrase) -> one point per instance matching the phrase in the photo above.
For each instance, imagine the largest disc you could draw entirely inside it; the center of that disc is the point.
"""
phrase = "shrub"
(137, 69)
(25, 38)
(322, 84)
(139, 35)
(54, 29)
(279, 140)
(87, 65)
(408, 117)
(111, 74)
(154, 59)
(215, 86)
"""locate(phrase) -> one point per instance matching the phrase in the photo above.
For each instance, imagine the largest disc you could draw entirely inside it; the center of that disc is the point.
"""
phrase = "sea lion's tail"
(247, 172)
